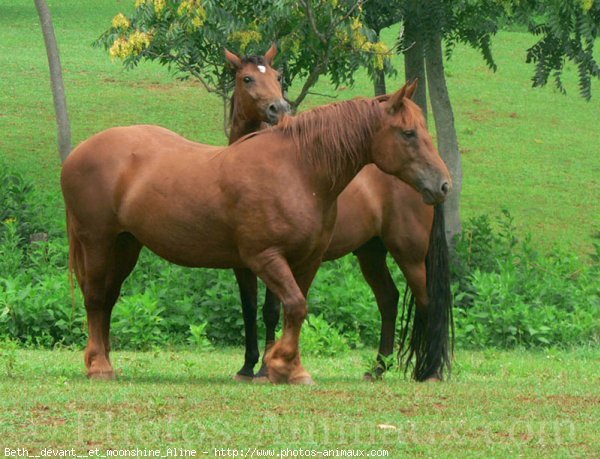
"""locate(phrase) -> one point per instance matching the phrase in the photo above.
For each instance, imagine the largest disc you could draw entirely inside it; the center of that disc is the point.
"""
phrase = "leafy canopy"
(314, 38)
(567, 31)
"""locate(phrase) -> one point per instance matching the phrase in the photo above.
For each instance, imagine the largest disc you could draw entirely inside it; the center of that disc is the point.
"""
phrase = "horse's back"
(105, 170)
(143, 140)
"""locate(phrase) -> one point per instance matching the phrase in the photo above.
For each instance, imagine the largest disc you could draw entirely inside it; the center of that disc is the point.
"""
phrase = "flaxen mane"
(334, 135)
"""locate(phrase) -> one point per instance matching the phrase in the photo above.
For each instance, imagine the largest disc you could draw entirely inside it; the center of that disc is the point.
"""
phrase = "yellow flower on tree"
(359, 41)
(120, 21)
(380, 52)
(139, 3)
(357, 34)
(195, 10)
(245, 37)
(159, 5)
(130, 46)
(139, 41)
(120, 48)
(587, 5)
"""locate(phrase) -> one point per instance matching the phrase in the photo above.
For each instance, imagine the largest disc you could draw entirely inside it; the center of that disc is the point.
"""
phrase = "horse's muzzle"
(276, 110)
(437, 196)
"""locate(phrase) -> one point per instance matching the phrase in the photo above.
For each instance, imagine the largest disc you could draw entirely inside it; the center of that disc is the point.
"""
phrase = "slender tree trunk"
(58, 89)
(414, 57)
(446, 132)
(379, 87)
(379, 79)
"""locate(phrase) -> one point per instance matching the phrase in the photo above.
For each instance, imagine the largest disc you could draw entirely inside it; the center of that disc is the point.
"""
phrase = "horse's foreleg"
(283, 359)
(246, 280)
(372, 260)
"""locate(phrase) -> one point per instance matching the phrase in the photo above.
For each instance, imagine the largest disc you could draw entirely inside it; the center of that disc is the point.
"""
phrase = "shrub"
(506, 293)
(321, 338)
(18, 205)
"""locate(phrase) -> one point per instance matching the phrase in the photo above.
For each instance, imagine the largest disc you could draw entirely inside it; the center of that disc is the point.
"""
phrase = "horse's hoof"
(304, 380)
(243, 378)
(433, 379)
(370, 377)
(106, 375)
(262, 373)
(261, 380)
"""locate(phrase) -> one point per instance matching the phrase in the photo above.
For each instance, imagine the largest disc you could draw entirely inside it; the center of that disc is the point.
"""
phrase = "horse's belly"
(198, 256)
(187, 240)
(192, 250)
(358, 220)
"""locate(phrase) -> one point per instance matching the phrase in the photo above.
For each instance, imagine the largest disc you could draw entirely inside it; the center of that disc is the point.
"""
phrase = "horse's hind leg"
(105, 265)
(271, 313)
(414, 270)
(372, 259)
(125, 255)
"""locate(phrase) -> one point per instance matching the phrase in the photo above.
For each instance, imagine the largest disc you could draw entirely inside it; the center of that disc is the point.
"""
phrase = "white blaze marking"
(262, 68)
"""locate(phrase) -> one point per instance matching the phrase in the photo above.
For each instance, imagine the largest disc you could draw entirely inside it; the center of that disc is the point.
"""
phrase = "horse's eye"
(279, 78)
(409, 134)
(247, 79)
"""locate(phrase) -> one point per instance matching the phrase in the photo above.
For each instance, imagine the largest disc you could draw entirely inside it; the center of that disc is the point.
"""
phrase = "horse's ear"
(233, 59)
(270, 55)
(412, 88)
(396, 100)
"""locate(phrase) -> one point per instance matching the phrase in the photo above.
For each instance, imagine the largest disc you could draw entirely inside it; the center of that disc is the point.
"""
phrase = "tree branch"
(347, 15)
(310, 81)
(311, 19)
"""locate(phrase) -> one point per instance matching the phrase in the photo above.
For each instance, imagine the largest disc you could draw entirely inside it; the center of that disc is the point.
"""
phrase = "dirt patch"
(482, 115)
(569, 404)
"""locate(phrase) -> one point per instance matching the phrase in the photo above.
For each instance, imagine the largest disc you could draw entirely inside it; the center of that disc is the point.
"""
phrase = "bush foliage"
(506, 292)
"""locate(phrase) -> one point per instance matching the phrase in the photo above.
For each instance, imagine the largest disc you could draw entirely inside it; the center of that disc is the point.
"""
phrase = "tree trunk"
(379, 83)
(414, 59)
(58, 89)
(446, 132)
(379, 77)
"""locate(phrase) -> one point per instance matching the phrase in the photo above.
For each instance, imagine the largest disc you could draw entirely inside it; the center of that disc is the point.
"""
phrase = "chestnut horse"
(257, 100)
(266, 203)
(376, 213)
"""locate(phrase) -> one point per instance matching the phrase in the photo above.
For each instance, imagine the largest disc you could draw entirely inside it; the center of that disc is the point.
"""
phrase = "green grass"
(498, 404)
(530, 150)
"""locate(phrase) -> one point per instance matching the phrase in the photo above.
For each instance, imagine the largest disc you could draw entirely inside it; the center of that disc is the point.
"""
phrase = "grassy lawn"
(529, 150)
(498, 404)
(534, 152)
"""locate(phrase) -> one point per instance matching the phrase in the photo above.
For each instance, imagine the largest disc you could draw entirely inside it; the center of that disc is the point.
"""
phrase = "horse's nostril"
(445, 187)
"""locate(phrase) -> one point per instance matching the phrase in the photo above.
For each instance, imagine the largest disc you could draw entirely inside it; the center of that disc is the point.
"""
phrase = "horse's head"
(258, 94)
(403, 147)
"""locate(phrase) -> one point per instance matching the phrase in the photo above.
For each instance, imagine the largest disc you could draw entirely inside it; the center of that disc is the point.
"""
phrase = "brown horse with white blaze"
(266, 203)
(257, 99)
(257, 102)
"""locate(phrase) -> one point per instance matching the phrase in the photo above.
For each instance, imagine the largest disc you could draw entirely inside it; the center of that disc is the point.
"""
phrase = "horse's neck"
(240, 125)
(240, 128)
(333, 184)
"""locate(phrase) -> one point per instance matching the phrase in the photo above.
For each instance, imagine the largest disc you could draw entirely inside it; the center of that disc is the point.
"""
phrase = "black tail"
(431, 339)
